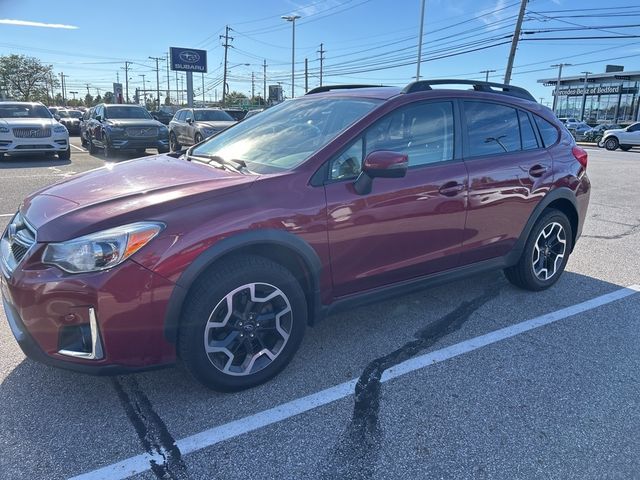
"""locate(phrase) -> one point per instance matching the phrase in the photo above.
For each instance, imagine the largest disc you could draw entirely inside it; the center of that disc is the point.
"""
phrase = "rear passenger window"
(492, 128)
(529, 141)
(548, 132)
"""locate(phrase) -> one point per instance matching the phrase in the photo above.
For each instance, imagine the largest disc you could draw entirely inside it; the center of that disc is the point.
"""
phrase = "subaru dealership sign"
(188, 60)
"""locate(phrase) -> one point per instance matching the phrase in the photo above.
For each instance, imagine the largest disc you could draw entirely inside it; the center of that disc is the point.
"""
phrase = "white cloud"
(27, 23)
(496, 14)
(313, 8)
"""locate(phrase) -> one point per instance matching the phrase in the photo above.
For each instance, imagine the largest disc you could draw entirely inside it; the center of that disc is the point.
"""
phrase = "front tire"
(197, 138)
(92, 147)
(243, 322)
(66, 155)
(545, 253)
(611, 143)
(174, 145)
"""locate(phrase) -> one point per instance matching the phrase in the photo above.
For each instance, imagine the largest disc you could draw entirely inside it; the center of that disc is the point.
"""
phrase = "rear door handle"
(537, 170)
(451, 189)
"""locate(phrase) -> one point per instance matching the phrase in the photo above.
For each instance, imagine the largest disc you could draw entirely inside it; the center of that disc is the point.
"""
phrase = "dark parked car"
(237, 113)
(70, 119)
(222, 256)
(84, 124)
(165, 114)
(192, 125)
(119, 127)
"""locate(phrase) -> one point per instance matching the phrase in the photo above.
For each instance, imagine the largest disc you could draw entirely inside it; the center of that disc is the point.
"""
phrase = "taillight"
(581, 155)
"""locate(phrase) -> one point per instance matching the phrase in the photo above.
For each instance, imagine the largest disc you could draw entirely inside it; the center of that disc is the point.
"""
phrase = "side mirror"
(189, 120)
(99, 118)
(381, 164)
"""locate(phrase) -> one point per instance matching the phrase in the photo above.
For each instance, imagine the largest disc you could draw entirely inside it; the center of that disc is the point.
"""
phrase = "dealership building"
(610, 97)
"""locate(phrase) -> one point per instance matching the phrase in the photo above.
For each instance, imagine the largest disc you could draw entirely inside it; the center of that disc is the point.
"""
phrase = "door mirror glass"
(189, 120)
(99, 118)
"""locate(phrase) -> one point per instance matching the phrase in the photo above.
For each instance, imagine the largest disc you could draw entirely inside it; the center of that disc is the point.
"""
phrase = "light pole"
(419, 43)
(292, 19)
(487, 72)
(144, 89)
(555, 97)
(74, 95)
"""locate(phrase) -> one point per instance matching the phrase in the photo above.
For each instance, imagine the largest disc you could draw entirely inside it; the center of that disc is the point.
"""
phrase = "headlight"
(4, 130)
(100, 250)
(59, 129)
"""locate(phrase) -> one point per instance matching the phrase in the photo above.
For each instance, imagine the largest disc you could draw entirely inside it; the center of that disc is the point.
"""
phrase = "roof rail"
(424, 85)
(327, 88)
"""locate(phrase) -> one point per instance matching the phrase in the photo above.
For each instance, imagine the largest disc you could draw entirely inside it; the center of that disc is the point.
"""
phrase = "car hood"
(137, 190)
(133, 122)
(614, 130)
(27, 122)
(216, 125)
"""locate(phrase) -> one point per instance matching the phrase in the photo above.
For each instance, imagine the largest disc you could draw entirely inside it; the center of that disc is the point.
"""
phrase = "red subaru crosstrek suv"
(222, 254)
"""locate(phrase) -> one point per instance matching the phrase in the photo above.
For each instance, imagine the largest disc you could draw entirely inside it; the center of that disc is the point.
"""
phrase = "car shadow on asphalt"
(31, 162)
(46, 410)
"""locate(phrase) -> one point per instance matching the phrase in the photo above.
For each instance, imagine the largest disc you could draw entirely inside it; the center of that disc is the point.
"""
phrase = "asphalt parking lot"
(474, 379)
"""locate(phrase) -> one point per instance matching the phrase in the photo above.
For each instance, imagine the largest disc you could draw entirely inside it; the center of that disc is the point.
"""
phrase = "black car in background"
(70, 119)
(165, 113)
(114, 128)
(237, 113)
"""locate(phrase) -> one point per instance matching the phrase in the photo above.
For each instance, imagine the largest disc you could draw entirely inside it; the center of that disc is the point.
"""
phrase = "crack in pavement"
(355, 454)
(634, 229)
(151, 430)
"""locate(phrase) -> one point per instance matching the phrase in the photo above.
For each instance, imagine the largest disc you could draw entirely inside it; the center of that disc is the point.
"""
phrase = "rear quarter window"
(548, 132)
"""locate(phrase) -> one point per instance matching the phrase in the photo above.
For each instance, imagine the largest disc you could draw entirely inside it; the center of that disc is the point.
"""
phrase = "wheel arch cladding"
(280, 246)
(562, 199)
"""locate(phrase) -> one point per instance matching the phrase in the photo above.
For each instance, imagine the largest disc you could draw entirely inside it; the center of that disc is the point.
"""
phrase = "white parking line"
(141, 463)
(79, 148)
(7, 214)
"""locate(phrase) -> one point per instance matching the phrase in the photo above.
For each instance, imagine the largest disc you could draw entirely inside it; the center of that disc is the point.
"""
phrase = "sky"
(365, 41)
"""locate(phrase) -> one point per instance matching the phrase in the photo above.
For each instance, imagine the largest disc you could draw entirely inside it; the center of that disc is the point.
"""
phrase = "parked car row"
(623, 138)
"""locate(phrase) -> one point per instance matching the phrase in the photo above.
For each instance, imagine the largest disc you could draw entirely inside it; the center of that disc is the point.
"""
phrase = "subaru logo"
(189, 56)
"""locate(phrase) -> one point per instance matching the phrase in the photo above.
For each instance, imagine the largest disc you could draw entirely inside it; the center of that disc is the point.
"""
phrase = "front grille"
(18, 238)
(142, 131)
(32, 132)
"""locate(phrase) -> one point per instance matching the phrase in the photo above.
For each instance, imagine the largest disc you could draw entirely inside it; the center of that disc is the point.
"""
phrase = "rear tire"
(223, 312)
(611, 143)
(545, 255)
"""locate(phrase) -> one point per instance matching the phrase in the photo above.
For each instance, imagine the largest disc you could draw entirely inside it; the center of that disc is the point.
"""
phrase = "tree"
(88, 100)
(97, 100)
(26, 78)
(234, 98)
(108, 97)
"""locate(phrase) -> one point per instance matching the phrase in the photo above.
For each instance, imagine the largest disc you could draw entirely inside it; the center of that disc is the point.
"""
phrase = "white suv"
(27, 128)
(625, 138)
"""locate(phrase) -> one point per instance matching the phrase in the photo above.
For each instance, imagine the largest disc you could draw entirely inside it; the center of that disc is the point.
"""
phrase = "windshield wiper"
(217, 161)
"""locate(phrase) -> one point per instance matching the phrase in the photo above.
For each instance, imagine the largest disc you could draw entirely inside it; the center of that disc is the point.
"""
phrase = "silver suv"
(192, 125)
(27, 128)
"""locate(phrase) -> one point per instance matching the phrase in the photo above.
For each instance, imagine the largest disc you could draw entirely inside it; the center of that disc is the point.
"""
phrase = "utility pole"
(264, 81)
(226, 46)
(584, 95)
(126, 80)
(64, 93)
(306, 75)
(514, 42)
(253, 86)
(144, 89)
(322, 51)
(292, 19)
(419, 41)
(157, 59)
(177, 87)
(487, 72)
(555, 97)
(168, 84)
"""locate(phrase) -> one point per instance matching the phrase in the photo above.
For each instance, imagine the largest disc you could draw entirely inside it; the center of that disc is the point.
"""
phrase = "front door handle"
(537, 170)
(451, 189)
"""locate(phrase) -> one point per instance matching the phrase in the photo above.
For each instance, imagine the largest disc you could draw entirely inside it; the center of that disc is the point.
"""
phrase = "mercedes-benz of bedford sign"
(188, 60)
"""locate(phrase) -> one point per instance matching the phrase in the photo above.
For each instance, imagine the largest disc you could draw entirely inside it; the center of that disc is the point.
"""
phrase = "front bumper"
(34, 145)
(127, 303)
(124, 143)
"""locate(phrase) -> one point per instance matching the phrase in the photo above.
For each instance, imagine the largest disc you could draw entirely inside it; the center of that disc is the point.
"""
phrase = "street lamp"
(555, 97)
(292, 19)
(74, 95)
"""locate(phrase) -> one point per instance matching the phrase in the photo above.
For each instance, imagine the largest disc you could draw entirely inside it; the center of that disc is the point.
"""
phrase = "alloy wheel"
(549, 250)
(248, 329)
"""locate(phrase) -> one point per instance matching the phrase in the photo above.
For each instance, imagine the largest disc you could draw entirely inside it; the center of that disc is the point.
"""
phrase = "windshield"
(24, 111)
(212, 116)
(75, 113)
(284, 136)
(126, 112)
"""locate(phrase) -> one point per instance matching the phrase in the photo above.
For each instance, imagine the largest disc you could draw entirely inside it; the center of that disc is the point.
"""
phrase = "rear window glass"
(548, 132)
(529, 141)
